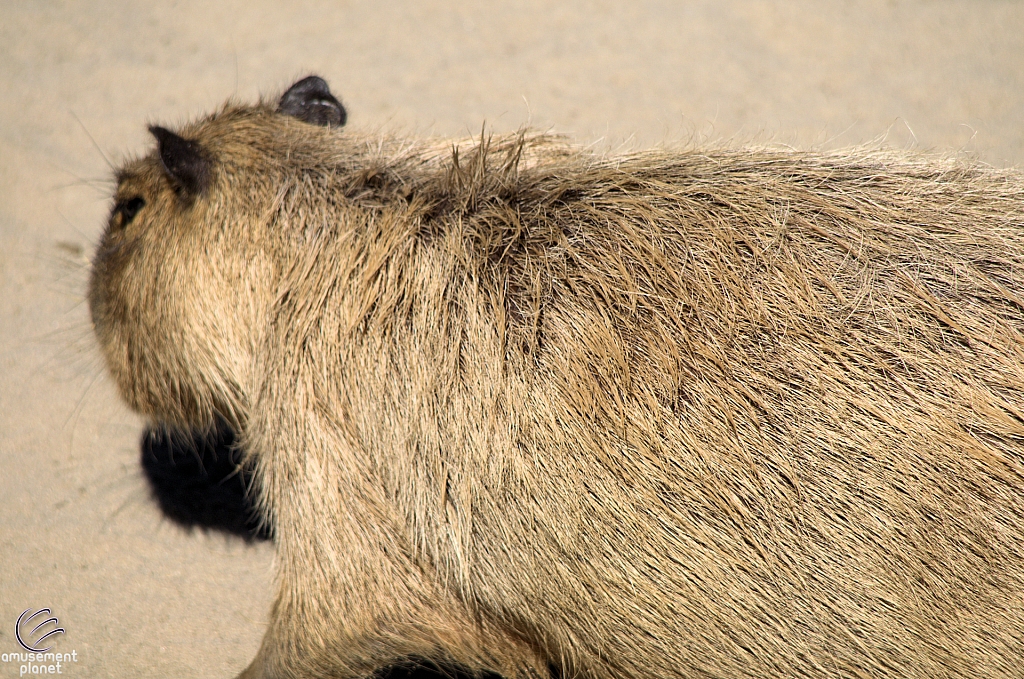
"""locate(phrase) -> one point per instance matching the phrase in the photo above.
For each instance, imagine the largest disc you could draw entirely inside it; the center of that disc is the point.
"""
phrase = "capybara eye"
(127, 209)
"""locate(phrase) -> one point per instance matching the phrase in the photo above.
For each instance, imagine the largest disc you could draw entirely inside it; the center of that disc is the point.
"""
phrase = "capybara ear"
(185, 162)
(310, 100)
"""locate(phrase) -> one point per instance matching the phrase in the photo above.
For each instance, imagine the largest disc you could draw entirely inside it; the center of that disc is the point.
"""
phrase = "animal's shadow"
(198, 481)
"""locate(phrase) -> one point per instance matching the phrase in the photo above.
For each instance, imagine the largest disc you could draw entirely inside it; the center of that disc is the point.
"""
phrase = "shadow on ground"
(198, 481)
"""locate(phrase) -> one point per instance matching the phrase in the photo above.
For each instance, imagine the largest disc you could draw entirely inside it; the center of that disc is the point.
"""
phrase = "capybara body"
(531, 409)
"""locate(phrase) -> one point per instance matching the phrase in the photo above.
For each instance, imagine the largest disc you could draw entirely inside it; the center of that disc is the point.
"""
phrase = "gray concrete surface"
(139, 597)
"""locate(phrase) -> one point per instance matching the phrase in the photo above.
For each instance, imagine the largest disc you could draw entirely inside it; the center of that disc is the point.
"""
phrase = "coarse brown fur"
(517, 405)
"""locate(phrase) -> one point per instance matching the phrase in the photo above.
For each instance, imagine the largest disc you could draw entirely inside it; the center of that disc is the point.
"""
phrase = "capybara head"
(185, 266)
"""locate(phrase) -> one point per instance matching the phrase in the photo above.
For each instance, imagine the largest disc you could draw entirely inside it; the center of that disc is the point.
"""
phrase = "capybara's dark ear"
(310, 100)
(185, 162)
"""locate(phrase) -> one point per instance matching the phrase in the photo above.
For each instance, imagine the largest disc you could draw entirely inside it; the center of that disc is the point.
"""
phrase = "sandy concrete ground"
(138, 596)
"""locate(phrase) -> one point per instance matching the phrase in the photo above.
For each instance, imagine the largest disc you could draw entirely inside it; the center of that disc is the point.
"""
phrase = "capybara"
(527, 408)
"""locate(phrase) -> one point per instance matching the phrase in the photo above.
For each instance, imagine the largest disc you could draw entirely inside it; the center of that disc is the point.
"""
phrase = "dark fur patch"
(418, 668)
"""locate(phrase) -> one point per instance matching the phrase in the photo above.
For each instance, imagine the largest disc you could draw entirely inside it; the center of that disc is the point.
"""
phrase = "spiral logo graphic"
(41, 630)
